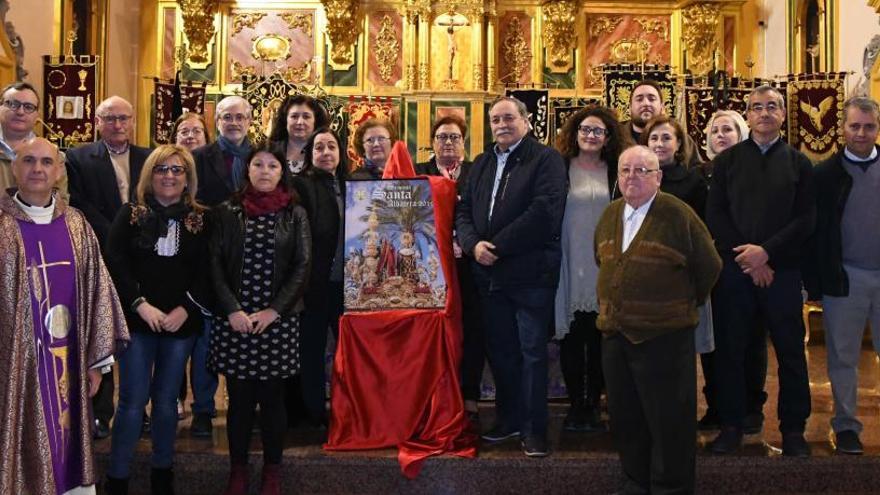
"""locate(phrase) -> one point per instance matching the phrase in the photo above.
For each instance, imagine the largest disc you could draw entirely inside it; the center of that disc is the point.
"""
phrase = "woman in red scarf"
(260, 257)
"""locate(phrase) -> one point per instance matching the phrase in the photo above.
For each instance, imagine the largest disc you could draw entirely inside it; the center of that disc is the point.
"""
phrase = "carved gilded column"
(424, 52)
(699, 36)
(344, 24)
(559, 33)
(477, 52)
(198, 26)
(409, 50)
(491, 37)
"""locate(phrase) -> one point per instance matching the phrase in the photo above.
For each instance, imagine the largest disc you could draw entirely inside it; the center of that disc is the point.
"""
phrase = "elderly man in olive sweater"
(761, 212)
(657, 263)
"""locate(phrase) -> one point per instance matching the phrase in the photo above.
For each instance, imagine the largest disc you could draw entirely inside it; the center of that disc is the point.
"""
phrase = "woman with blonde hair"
(157, 253)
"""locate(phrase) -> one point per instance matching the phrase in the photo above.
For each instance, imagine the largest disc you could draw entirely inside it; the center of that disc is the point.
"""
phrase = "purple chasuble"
(52, 279)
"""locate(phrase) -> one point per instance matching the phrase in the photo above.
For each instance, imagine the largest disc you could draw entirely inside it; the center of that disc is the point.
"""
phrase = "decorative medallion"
(271, 48)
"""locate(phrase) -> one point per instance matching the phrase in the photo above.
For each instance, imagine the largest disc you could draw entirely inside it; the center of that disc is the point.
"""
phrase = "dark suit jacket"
(92, 183)
(215, 181)
(527, 218)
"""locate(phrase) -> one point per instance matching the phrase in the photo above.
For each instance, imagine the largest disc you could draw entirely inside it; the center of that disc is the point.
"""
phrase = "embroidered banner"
(563, 108)
(70, 89)
(815, 113)
(620, 79)
(537, 101)
(361, 111)
(267, 94)
(702, 101)
(173, 99)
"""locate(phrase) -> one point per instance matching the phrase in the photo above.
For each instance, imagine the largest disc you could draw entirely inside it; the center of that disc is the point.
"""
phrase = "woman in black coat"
(665, 137)
(321, 185)
(260, 256)
(448, 136)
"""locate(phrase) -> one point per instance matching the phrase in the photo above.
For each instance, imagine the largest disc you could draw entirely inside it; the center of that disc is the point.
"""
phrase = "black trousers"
(582, 375)
(244, 395)
(322, 313)
(652, 398)
(738, 303)
(102, 402)
(473, 357)
(755, 373)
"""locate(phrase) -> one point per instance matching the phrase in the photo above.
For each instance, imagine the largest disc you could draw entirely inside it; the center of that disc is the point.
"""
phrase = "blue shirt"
(502, 157)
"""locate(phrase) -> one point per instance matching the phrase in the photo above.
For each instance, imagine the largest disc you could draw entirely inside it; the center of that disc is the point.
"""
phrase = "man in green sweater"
(657, 263)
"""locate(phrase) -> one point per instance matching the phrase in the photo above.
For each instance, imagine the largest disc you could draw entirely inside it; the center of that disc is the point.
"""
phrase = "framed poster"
(391, 255)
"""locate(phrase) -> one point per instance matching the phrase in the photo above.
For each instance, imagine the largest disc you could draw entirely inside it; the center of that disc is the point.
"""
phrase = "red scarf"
(258, 203)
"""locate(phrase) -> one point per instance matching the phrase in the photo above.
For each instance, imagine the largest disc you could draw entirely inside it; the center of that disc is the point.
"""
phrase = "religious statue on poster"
(391, 246)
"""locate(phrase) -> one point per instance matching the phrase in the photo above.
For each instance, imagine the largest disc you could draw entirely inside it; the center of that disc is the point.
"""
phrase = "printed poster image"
(391, 256)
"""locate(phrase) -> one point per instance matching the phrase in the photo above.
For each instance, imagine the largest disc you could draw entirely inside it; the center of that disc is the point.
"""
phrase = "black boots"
(161, 481)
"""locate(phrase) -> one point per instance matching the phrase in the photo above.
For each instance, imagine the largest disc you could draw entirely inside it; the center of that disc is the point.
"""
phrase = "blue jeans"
(204, 383)
(517, 327)
(151, 369)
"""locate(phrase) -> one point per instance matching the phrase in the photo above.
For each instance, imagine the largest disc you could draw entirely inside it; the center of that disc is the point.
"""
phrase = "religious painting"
(385, 50)
(263, 42)
(69, 107)
(625, 39)
(392, 260)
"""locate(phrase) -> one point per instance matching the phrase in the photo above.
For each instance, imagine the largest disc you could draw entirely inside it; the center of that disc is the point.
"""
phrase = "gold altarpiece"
(434, 57)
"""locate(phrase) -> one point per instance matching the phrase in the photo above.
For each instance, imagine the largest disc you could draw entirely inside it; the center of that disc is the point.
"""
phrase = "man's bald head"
(639, 175)
(37, 167)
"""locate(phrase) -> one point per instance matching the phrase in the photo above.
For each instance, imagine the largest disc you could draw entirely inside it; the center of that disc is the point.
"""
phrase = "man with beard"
(645, 103)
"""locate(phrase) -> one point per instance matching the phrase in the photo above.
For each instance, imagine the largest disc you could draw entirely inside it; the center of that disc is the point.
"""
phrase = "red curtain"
(395, 375)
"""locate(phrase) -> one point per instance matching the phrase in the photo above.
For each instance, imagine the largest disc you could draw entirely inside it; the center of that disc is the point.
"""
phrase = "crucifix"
(450, 35)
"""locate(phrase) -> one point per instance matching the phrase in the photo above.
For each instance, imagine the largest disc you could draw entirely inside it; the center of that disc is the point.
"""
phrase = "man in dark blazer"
(509, 219)
(219, 165)
(102, 176)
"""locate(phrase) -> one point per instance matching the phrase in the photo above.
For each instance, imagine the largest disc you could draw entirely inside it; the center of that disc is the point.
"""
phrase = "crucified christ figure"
(450, 35)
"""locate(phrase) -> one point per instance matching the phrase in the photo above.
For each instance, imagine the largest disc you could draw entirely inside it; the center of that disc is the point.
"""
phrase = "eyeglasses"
(195, 132)
(507, 119)
(112, 119)
(758, 108)
(586, 130)
(14, 105)
(637, 171)
(229, 117)
(453, 138)
(176, 170)
(376, 140)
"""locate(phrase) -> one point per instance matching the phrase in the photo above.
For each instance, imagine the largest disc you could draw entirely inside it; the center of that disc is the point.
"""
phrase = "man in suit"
(509, 219)
(102, 176)
(220, 165)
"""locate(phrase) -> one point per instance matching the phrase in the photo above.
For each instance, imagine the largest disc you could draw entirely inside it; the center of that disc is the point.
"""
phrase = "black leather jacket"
(293, 255)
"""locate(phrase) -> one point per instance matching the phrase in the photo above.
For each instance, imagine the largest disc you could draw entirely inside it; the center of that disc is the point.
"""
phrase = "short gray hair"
(520, 106)
(764, 89)
(102, 107)
(230, 101)
(864, 104)
(641, 151)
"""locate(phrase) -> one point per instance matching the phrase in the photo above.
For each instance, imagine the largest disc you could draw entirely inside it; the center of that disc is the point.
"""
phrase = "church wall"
(858, 24)
(771, 57)
(121, 71)
(34, 21)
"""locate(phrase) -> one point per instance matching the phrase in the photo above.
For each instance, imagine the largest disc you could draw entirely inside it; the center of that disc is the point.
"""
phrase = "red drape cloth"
(395, 375)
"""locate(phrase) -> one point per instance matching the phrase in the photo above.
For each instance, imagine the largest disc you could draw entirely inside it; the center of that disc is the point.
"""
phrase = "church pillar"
(491, 34)
(424, 51)
(477, 53)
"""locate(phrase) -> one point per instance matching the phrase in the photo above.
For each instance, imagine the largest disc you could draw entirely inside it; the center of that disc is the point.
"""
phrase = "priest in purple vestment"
(60, 322)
